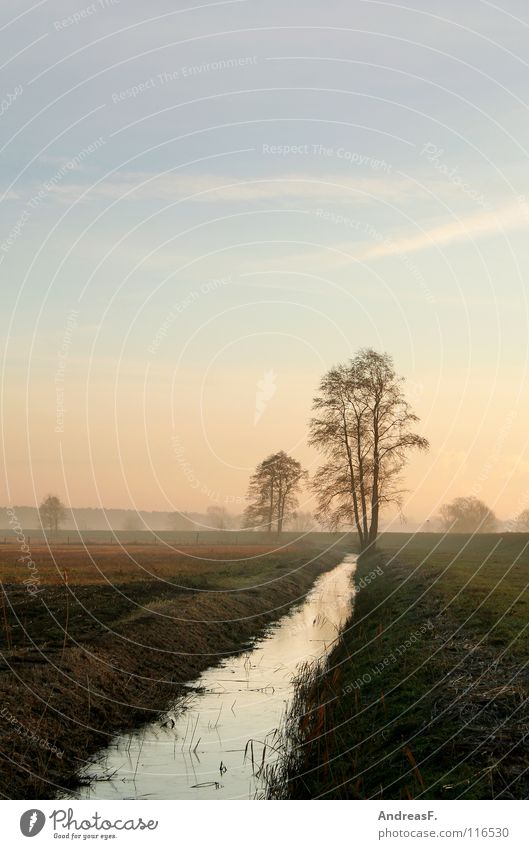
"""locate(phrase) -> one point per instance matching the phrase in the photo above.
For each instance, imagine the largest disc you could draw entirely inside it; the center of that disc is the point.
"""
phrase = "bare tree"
(218, 517)
(467, 515)
(363, 426)
(300, 522)
(521, 523)
(52, 511)
(272, 493)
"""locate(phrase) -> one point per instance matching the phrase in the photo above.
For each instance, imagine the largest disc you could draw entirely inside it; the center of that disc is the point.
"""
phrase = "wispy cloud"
(501, 221)
(215, 189)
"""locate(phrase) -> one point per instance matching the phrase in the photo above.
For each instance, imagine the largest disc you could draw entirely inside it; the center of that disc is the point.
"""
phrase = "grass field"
(107, 636)
(175, 539)
(427, 694)
(201, 565)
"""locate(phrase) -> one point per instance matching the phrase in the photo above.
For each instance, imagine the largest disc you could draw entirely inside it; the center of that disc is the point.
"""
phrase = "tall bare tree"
(521, 523)
(217, 517)
(468, 515)
(301, 521)
(272, 492)
(363, 425)
(52, 511)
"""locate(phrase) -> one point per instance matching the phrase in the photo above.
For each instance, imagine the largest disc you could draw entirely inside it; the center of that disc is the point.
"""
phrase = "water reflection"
(217, 747)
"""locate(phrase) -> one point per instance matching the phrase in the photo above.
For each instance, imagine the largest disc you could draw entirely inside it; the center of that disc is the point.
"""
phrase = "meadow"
(426, 696)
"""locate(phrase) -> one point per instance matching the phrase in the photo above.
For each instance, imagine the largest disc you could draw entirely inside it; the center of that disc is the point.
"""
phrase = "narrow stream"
(216, 747)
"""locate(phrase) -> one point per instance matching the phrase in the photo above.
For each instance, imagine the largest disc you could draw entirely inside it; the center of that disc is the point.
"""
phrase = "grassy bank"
(110, 636)
(427, 694)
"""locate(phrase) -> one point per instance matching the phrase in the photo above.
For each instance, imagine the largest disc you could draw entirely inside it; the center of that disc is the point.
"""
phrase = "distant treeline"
(100, 519)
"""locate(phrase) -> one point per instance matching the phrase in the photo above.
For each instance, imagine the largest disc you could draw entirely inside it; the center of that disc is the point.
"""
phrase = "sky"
(205, 206)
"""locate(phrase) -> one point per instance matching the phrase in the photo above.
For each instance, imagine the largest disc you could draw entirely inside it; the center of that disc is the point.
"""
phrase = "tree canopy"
(521, 523)
(466, 515)
(273, 491)
(52, 511)
(363, 426)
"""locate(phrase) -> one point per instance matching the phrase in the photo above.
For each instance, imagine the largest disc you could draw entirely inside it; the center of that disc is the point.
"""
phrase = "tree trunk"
(280, 507)
(373, 529)
(363, 499)
(271, 507)
(353, 487)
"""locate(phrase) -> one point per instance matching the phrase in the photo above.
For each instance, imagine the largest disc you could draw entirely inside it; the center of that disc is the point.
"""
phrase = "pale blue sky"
(359, 178)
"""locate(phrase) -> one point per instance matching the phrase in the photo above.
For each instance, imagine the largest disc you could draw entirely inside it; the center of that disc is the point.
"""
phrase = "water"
(216, 747)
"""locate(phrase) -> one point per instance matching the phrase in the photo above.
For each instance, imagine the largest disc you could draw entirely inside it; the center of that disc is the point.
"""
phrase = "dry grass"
(115, 563)
(445, 716)
(108, 647)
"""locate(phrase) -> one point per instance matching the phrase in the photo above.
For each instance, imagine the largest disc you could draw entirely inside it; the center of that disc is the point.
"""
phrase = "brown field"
(93, 564)
(112, 634)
